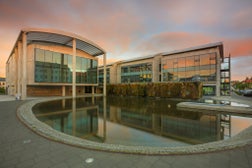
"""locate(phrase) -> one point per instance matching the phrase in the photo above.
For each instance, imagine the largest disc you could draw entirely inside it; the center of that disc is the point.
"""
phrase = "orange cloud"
(239, 47)
(169, 41)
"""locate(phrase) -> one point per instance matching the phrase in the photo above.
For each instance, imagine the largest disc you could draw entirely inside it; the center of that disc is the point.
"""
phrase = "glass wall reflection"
(54, 67)
(137, 121)
(136, 73)
(77, 117)
(193, 68)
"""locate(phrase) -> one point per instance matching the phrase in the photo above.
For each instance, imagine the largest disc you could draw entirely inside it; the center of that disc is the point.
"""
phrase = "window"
(191, 68)
(136, 73)
(57, 68)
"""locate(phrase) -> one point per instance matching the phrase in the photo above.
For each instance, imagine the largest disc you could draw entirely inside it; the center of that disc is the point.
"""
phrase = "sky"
(132, 28)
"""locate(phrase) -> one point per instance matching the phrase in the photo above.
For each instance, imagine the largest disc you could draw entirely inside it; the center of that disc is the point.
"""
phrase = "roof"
(61, 38)
(205, 46)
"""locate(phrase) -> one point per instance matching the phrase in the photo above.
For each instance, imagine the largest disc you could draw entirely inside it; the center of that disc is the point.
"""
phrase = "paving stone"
(42, 164)
(248, 152)
(26, 164)
(7, 164)
(60, 165)
(219, 160)
(239, 158)
(189, 161)
(41, 152)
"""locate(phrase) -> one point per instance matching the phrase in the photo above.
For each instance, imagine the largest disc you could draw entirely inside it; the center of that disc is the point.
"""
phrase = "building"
(205, 63)
(46, 62)
(2, 82)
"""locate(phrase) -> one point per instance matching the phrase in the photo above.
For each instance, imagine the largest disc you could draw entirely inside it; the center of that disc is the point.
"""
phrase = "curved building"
(46, 62)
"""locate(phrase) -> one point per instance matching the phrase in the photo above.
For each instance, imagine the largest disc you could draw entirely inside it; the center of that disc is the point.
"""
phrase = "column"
(105, 75)
(156, 68)
(19, 68)
(63, 90)
(104, 118)
(16, 71)
(74, 117)
(218, 72)
(92, 90)
(74, 69)
(24, 62)
(218, 127)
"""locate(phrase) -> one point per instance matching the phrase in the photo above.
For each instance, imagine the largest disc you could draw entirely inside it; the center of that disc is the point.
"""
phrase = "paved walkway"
(22, 148)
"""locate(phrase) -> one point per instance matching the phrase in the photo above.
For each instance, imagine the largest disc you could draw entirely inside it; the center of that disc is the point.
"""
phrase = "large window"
(192, 68)
(54, 67)
(136, 73)
(101, 75)
(86, 70)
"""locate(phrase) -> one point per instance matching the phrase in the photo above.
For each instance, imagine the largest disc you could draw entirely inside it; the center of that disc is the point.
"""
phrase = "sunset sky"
(132, 28)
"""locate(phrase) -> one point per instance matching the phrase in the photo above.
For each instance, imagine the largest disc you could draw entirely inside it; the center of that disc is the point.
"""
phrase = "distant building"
(45, 62)
(2, 83)
(204, 63)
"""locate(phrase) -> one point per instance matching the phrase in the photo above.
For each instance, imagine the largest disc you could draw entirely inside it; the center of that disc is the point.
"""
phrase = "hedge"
(185, 90)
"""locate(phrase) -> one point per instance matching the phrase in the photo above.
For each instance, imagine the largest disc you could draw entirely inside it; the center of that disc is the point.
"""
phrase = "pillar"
(218, 127)
(19, 68)
(16, 70)
(74, 69)
(24, 63)
(63, 90)
(104, 117)
(73, 117)
(218, 72)
(156, 71)
(105, 75)
(92, 90)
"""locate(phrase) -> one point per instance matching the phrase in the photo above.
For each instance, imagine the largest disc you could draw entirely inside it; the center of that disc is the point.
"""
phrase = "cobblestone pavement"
(22, 148)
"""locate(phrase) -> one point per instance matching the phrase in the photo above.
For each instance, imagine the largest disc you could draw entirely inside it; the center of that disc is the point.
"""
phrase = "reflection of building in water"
(190, 127)
(78, 121)
(225, 121)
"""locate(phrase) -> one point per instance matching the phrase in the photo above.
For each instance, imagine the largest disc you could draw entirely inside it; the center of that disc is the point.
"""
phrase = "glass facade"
(190, 68)
(54, 67)
(86, 70)
(225, 77)
(136, 73)
(101, 75)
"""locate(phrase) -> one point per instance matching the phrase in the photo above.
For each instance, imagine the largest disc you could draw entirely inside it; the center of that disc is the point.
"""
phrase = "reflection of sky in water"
(239, 104)
(139, 121)
(230, 103)
(239, 123)
(120, 134)
(235, 104)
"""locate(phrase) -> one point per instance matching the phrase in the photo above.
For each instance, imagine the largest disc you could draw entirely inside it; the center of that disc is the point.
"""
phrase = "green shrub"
(186, 90)
(2, 90)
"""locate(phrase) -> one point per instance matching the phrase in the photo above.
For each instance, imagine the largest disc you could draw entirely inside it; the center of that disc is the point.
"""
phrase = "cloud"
(169, 41)
(241, 67)
(132, 28)
(239, 47)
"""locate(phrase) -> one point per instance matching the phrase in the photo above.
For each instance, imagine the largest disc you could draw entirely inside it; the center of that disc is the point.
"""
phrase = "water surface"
(137, 121)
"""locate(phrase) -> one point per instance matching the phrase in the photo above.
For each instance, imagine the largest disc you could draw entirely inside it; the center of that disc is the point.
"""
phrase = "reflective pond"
(138, 121)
